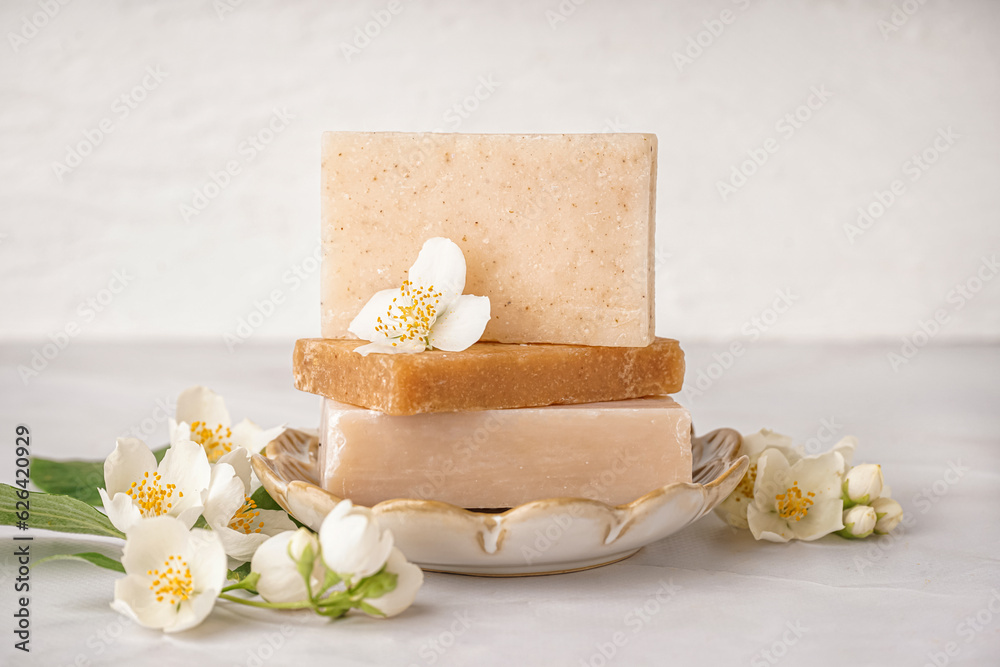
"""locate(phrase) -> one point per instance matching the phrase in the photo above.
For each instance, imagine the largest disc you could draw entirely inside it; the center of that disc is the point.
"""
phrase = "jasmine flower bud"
(889, 514)
(862, 484)
(859, 522)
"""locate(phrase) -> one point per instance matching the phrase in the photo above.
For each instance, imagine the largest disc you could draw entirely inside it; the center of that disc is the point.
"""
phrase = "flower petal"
(128, 463)
(275, 521)
(733, 510)
(461, 324)
(352, 543)
(192, 612)
(820, 475)
(239, 459)
(207, 561)
(226, 495)
(441, 265)
(773, 477)
(280, 580)
(409, 578)
(134, 599)
(364, 323)
(179, 431)
(823, 518)
(189, 515)
(151, 541)
(202, 404)
(846, 448)
(186, 465)
(121, 510)
(242, 546)
(247, 435)
(755, 443)
(766, 525)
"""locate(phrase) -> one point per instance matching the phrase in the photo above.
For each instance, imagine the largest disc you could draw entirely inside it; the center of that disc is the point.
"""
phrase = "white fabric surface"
(899, 601)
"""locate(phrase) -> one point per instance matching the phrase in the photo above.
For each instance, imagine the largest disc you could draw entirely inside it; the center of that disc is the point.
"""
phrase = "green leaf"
(305, 563)
(62, 514)
(76, 479)
(368, 609)
(240, 573)
(334, 606)
(266, 502)
(846, 533)
(330, 579)
(376, 585)
(244, 579)
(100, 560)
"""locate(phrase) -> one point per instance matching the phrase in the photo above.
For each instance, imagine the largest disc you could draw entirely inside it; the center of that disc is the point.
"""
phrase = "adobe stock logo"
(86, 311)
(703, 40)
(365, 34)
(913, 168)
(248, 150)
(957, 298)
(121, 108)
(786, 127)
(31, 25)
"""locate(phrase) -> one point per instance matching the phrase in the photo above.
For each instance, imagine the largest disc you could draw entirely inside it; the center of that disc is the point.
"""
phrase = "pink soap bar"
(612, 452)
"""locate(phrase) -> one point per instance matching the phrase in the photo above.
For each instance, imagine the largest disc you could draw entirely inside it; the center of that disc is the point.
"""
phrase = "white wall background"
(608, 65)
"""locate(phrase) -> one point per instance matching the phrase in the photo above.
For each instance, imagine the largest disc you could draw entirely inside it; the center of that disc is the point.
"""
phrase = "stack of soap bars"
(566, 395)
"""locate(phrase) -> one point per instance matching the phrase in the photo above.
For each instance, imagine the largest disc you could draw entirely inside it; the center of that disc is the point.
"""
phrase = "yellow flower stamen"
(411, 314)
(152, 497)
(745, 489)
(173, 585)
(792, 504)
(245, 519)
(216, 442)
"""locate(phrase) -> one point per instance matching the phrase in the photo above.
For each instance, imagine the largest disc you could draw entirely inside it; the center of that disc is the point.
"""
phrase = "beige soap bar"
(557, 230)
(613, 452)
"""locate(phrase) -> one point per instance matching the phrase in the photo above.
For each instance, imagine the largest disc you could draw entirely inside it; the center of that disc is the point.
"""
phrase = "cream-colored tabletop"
(929, 594)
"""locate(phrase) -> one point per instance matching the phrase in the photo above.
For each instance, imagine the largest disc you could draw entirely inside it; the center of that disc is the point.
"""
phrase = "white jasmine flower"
(277, 563)
(888, 512)
(409, 579)
(796, 501)
(136, 488)
(173, 575)
(352, 543)
(203, 418)
(862, 484)
(231, 512)
(859, 522)
(733, 510)
(428, 311)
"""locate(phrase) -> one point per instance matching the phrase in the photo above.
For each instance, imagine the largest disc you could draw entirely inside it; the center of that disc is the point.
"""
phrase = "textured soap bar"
(613, 452)
(486, 376)
(557, 230)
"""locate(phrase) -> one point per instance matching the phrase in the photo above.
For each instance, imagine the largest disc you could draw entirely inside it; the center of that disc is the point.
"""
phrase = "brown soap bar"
(487, 376)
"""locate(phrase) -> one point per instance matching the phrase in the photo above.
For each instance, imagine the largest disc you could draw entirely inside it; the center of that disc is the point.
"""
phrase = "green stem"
(305, 604)
(236, 587)
(335, 600)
